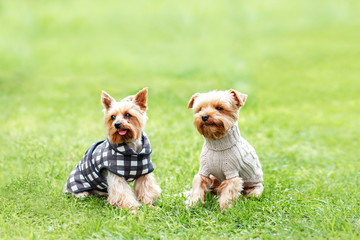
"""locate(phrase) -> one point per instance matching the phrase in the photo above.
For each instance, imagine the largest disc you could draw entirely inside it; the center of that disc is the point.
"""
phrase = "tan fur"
(81, 195)
(192, 100)
(215, 183)
(222, 109)
(140, 99)
(134, 105)
(239, 97)
(146, 189)
(229, 191)
(200, 187)
(253, 190)
(220, 121)
(119, 192)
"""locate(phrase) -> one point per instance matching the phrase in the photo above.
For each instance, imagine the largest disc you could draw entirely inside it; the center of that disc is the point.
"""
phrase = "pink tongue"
(123, 132)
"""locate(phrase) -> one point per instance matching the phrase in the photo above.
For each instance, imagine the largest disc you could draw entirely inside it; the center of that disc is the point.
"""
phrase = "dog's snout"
(117, 125)
(205, 117)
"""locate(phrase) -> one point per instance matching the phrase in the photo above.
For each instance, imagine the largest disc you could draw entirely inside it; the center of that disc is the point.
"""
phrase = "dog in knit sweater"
(124, 156)
(229, 165)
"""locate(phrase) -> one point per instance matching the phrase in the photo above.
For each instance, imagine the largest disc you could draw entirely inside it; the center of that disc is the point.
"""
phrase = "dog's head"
(216, 112)
(125, 120)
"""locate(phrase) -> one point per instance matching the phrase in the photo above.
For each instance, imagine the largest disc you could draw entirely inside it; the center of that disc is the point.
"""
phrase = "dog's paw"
(81, 194)
(224, 204)
(149, 196)
(147, 200)
(133, 207)
(189, 202)
(254, 191)
(193, 200)
(125, 202)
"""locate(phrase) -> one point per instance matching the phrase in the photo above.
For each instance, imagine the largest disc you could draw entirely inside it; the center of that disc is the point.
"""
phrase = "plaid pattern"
(118, 159)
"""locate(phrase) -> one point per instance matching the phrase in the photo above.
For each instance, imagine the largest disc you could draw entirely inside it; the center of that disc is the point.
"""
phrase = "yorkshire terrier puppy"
(124, 156)
(229, 165)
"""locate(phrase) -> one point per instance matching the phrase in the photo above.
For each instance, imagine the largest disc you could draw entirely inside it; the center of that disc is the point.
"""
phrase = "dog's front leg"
(229, 190)
(120, 193)
(199, 189)
(146, 189)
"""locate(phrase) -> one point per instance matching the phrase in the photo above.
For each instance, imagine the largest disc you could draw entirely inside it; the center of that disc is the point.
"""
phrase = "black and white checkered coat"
(118, 159)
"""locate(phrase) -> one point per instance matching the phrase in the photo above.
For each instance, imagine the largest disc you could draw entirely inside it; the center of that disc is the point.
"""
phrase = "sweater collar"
(226, 142)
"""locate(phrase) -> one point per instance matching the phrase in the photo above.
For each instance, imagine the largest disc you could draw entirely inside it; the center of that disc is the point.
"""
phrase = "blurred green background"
(299, 62)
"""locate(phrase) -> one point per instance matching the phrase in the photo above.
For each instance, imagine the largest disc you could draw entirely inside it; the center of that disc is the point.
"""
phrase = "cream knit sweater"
(230, 156)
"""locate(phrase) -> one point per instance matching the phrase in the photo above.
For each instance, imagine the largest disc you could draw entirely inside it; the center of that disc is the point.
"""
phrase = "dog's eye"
(127, 115)
(219, 108)
(113, 117)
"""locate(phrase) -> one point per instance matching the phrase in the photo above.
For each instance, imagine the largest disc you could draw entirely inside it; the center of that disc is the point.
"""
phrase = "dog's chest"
(136, 145)
(214, 162)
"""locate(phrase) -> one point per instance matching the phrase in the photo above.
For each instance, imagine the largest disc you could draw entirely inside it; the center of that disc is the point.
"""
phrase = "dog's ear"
(140, 99)
(192, 99)
(239, 97)
(106, 100)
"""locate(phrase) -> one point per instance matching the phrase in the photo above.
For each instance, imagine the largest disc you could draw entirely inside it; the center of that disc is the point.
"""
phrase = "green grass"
(297, 60)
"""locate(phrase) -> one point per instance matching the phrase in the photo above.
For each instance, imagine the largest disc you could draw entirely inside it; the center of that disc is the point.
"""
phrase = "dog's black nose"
(205, 117)
(117, 125)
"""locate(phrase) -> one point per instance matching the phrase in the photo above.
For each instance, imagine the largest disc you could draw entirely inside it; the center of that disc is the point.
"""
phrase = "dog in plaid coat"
(109, 165)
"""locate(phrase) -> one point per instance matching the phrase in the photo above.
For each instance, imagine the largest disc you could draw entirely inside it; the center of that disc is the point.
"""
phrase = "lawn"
(299, 62)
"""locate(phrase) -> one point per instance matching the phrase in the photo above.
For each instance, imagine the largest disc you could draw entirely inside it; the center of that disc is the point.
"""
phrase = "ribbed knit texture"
(230, 156)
